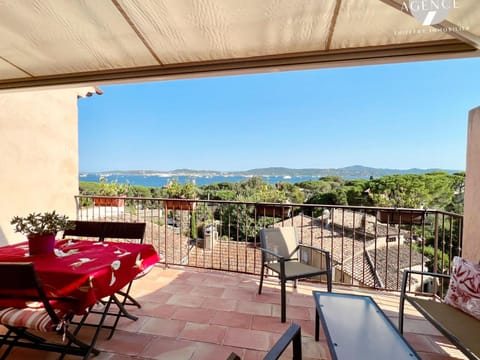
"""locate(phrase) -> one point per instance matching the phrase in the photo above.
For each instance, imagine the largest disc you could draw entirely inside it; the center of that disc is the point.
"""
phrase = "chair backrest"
(102, 230)
(20, 284)
(281, 240)
(124, 230)
(82, 228)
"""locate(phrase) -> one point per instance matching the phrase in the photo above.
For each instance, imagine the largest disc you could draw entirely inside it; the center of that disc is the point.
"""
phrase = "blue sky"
(389, 116)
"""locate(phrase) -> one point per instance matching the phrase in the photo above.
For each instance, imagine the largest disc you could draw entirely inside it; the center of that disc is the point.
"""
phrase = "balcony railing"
(370, 246)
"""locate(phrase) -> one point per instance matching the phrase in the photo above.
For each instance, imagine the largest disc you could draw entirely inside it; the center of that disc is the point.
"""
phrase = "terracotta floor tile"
(254, 308)
(421, 342)
(129, 325)
(248, 339)
(254, 355)
(315, 349)
(177, 289)
(232, 319)
(185, 300)
(447, 347)
(163, 327)
(294, 313)
(269, 323)
(436, 356)
(168, 349)
(207, 291)
(268, 297)
(195, 315)
(110, 356)
(203, 332)
(205, 351)
(300, 300)
(155, 310)
(155, 297)
(308, 328)
(419, 326)
(125, 343)
(238, 294)
(217, 304)
(195, 278)
(19, 353)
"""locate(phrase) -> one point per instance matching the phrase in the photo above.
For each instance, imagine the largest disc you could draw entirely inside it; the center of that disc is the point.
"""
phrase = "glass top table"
(356, 328)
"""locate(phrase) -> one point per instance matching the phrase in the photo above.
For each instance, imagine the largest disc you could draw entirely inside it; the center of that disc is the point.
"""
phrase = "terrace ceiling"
(64, 42)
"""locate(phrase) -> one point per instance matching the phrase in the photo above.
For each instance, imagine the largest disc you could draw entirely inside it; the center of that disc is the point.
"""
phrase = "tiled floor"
(205, 315)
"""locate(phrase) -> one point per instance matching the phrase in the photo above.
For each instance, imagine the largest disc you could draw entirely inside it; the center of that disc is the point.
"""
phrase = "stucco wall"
(39, 155)
(471, 226)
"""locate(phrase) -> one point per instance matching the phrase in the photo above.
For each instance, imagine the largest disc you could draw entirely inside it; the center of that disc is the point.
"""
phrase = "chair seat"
(296, 270)
(30, 318)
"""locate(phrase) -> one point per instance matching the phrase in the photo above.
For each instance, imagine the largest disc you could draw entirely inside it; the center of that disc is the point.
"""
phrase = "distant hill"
(355, 171)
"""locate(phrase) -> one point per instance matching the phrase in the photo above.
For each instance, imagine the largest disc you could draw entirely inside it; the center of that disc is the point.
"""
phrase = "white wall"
(38, 155)
(471, 226)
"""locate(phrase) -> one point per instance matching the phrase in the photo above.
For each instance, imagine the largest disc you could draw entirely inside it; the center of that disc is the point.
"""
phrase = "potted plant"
(404, 216)
(183, 193)
(41, 230)
(113, 192)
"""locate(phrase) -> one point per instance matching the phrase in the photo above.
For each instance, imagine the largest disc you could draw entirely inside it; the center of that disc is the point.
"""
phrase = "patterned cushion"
(464, 288)
(30, 318)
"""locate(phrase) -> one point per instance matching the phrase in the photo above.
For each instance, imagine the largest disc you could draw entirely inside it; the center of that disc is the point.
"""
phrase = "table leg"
(317, 326)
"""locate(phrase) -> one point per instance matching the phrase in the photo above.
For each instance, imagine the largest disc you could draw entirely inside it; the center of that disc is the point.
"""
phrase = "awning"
(64, 42)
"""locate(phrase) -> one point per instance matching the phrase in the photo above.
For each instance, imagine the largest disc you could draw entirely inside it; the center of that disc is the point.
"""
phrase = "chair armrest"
(403, 293)
(313, 248)
(270, 252)
(326, 252)
(425, 273)
(406, 273)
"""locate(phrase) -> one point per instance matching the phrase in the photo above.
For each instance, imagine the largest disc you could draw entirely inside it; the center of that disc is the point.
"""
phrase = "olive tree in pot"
(113, 193)
(184, 195)
(41, 230)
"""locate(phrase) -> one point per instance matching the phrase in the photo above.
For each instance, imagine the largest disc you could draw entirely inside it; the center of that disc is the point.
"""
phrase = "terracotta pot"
(278, 211)
(400, 217)
(180, 204)
(105, 201)
(41, 244)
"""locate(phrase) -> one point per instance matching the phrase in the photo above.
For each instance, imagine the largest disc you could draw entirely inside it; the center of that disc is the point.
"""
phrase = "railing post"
(435, 244)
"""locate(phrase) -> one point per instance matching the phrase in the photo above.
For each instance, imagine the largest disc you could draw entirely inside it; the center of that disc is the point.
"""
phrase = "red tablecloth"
(85, 270)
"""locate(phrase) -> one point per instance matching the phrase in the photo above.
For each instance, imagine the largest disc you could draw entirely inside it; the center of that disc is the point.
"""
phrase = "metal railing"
(369, 246)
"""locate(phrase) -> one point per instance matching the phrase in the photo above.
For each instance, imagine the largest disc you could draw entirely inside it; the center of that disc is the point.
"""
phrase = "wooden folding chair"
(34, 311)
(121, 232)
(93, 230)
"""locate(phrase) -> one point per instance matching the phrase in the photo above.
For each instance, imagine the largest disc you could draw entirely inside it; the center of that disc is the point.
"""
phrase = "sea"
(162, 180)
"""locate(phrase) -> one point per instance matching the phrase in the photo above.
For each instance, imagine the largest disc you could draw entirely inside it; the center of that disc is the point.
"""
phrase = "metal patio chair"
(282, 254)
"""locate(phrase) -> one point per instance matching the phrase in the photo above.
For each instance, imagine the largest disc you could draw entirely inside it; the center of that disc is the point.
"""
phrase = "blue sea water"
(160, 181)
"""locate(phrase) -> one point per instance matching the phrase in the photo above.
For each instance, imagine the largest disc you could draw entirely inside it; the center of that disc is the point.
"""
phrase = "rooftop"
(200, 314)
